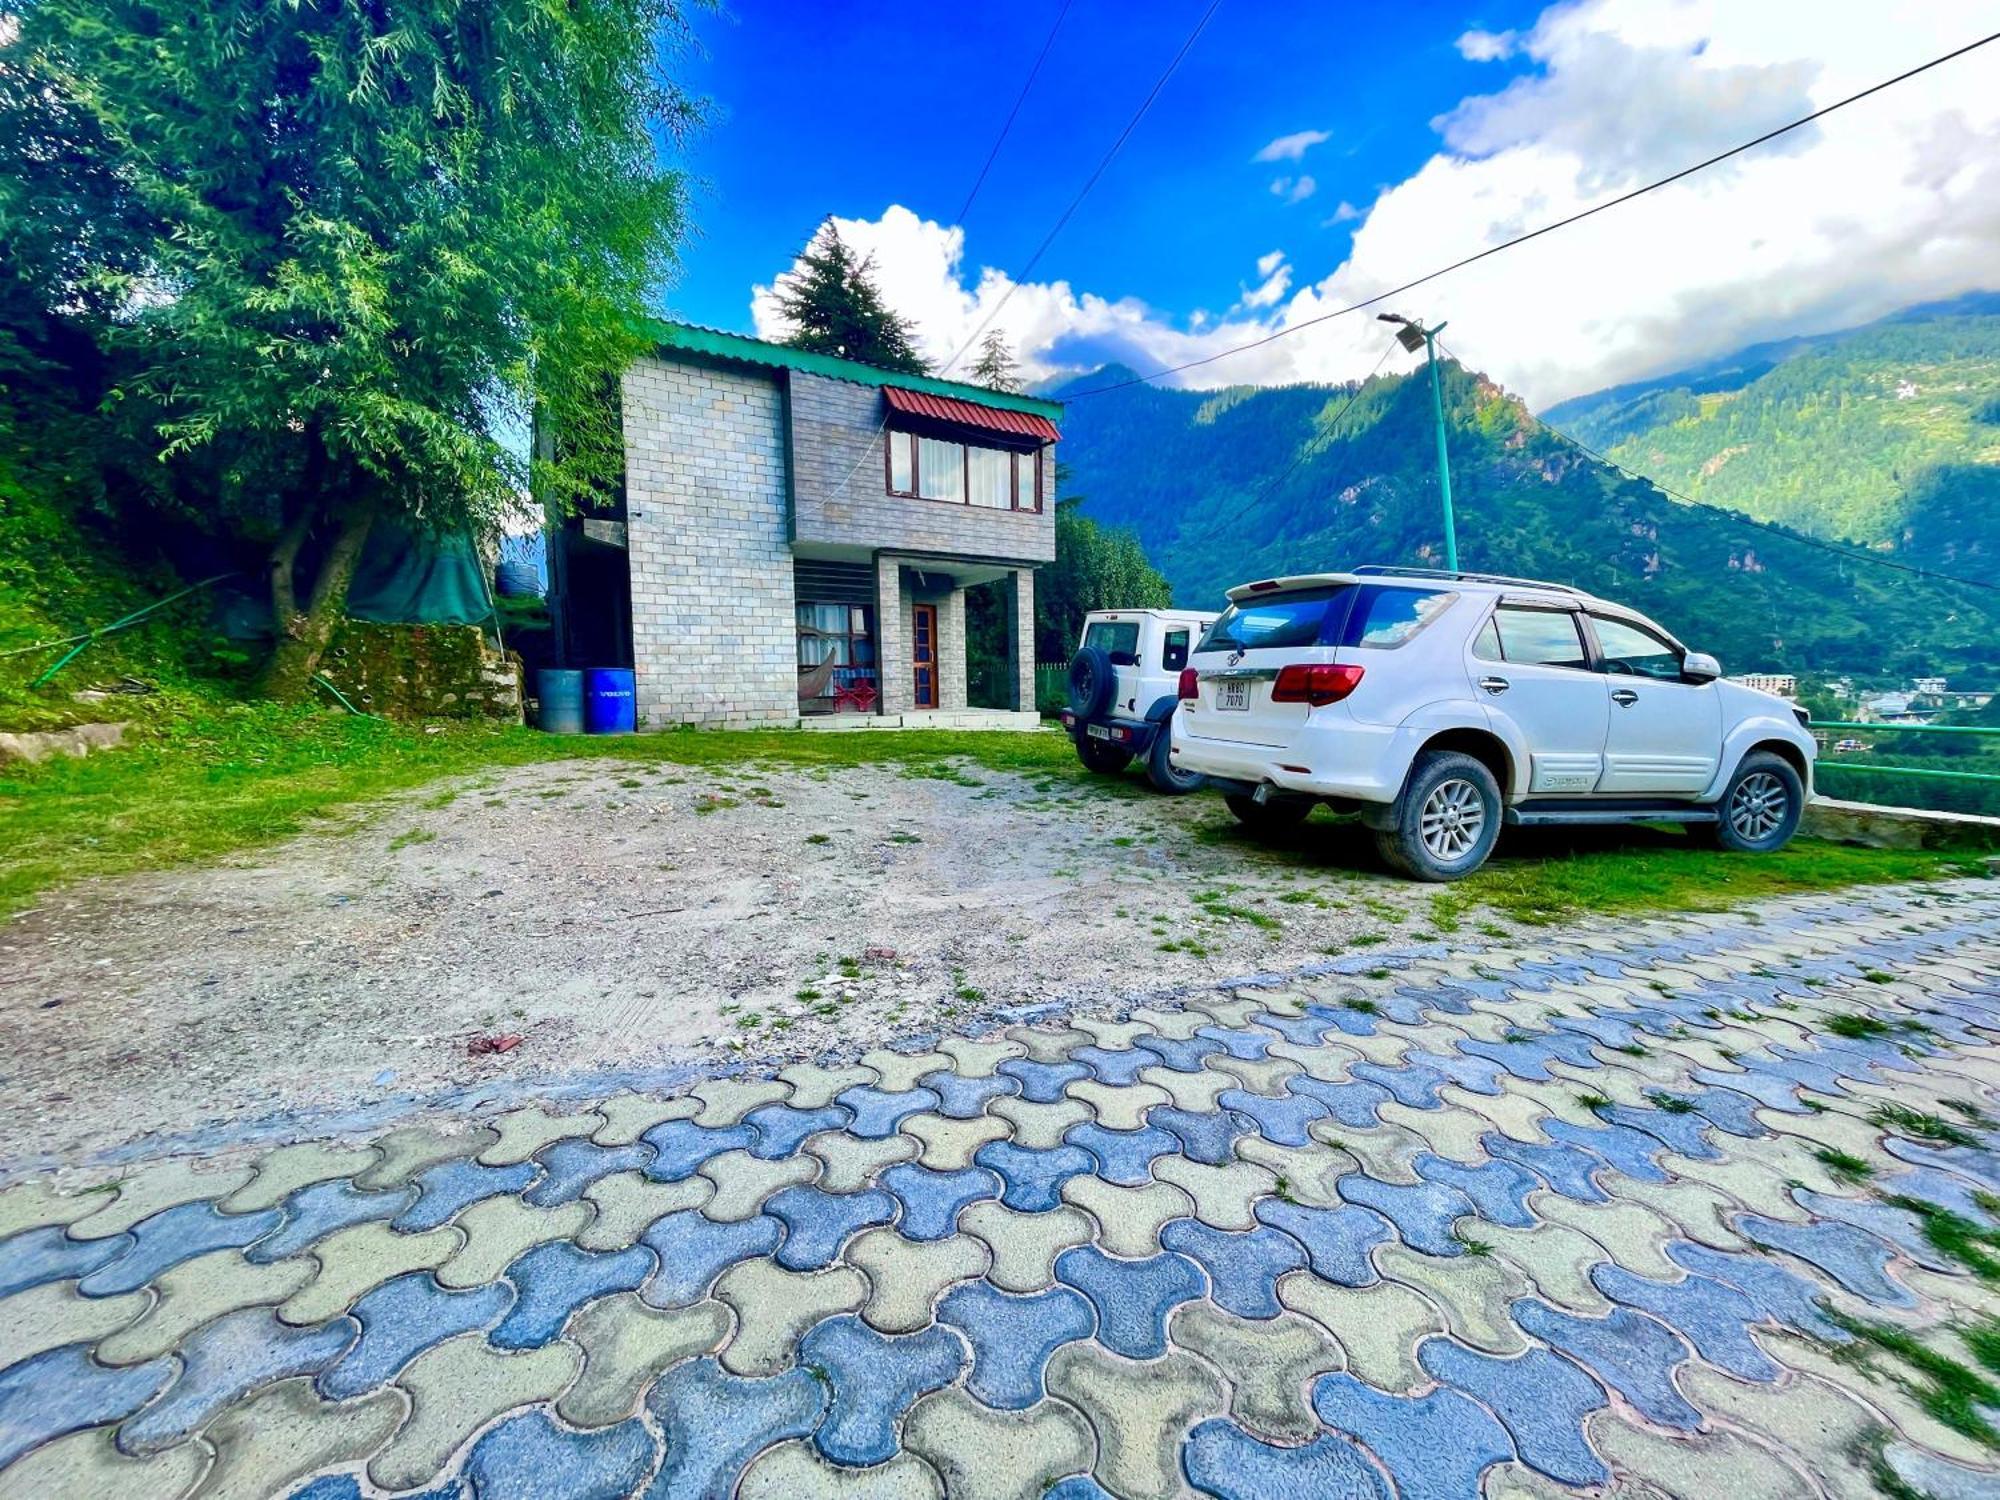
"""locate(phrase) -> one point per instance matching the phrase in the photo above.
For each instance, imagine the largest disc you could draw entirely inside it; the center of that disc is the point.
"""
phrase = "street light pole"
(1409, 335)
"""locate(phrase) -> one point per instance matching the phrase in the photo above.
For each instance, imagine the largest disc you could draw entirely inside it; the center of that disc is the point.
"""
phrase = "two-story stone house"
(796, 535)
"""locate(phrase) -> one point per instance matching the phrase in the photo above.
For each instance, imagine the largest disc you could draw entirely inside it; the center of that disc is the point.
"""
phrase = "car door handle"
(1624, 697)
(1494, 685)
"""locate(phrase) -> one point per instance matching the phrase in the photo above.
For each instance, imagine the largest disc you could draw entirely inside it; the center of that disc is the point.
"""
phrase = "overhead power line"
(1001, 139)
(1533, 234)
(1090, 182)
(1738, 517)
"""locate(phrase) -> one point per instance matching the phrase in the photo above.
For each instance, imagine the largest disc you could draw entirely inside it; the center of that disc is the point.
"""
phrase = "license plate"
(1233, 695)
(1097, 731)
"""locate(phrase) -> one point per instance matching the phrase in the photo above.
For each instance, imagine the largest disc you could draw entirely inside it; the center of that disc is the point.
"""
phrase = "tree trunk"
(303, 639)
(284, 563)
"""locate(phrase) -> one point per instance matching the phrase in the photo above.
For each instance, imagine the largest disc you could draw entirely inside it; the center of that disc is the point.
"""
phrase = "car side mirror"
(1699, 666)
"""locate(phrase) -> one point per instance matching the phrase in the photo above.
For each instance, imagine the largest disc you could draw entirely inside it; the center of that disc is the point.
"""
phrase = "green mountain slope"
(1887, 435)
(1225, 487)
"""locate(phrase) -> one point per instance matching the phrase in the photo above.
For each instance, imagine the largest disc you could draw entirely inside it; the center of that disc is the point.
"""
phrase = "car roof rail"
(1381, 569)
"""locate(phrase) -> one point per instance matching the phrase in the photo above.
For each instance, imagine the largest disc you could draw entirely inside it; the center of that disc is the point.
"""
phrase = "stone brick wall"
(840, 489)
(423, 671)
(951, 650)
(1020, 588)
(714, 636)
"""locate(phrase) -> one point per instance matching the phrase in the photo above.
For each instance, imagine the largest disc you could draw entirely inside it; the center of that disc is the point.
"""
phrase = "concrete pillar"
(951, 650)
(1020, 588)
(892, 638)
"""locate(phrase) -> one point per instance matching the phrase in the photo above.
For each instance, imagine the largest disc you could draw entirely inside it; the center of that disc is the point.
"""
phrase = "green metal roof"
(735, 346)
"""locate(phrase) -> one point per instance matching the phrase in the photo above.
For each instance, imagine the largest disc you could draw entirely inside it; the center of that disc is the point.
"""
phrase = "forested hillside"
(1887, 435)
(1224, 487)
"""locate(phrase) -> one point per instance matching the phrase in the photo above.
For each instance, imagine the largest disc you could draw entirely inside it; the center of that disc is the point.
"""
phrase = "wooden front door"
(923, 653)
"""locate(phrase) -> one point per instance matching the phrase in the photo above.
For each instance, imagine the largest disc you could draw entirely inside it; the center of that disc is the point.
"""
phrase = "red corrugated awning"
(1019, 424)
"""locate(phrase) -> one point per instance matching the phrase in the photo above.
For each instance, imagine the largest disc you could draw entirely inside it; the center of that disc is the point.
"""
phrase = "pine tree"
(995, 368)
(831, 301)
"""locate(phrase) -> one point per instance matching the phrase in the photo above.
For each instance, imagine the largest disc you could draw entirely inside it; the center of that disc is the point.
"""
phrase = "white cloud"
(1486, 46)
(1293, 189)
(1292, 147)
(1345, 213)
(1277, 280)
(1892, 201)
(1266, 264)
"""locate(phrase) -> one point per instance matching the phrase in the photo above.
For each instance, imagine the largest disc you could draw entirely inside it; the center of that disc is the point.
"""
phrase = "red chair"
(856, 696)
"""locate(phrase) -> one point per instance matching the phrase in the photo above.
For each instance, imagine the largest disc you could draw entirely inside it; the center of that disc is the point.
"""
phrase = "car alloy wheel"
(1758, 806)
(1453, 818)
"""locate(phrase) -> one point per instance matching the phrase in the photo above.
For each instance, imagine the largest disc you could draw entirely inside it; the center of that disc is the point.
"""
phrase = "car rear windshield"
(1118, 639)
(1344, 614)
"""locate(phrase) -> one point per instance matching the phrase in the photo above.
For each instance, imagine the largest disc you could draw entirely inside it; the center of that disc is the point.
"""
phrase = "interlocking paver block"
(1024, 1245)
(796, 1469)
(282, 1172)
(552, 1281)
(681, 1147)
(1118, 1108)
(1378, 1326)
(1033, 1178)
(775, 1307)
(627, 1204)
(170, 1237)
(450, 1186)
(1042, 1083)
(1140, 1412)
(312, 1213)
(725, 1101)
(1497, 1190)
(1223, 1196)
(529, 1457)
(1632, 1354)
(694, 1250)
(950, 1144)
(1691, 1466)
(778, 1130)
(961, 1098)
(629, 1116)
(353, 1261)
(1541, 1399)
(743, 1183)
(1225, 1461)
(64, 1391)
(896, 1071)
(285, 1432)
(1821, 1427)
(1436, 1445)
(1779, 1294)
(1711, 1316)
(978, 1059)
(1338, 1241)
(715, 1423)
(1852, 1257)
(400, 1320)
(817, 1224)
(455, 1389)
(1269, 1363)
(1424, 1215)
(48, 1316)
(403, 1154)
(815, 1087)
(906, 1276)
(88, 1463)
(1131, 1297)
(881, 1112)
(1012, 1337)
(931, 1200)
(571, 1165)
(498, 1230)
(523, 1132)
(851, 1163)
(37, 1204)
(1194, 1091)
(151, 1189)
(1040, 1127)
(983, 1454)
(1243, 1266)
(874, 1379)
(625, 1345)
(1128, 1219)
(1472, 1291)
(223, 1362)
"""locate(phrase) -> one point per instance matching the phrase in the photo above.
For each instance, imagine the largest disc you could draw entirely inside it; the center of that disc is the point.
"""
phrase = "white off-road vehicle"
(1124, 686)
(1440, 705)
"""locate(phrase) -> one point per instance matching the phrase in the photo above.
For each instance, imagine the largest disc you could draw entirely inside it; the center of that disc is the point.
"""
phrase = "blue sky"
(1421, 133)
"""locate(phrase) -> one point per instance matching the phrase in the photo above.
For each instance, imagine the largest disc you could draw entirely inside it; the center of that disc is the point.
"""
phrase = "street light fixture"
(1412, 335)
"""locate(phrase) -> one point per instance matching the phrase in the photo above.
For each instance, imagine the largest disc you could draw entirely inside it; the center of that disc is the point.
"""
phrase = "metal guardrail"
(1871, 768)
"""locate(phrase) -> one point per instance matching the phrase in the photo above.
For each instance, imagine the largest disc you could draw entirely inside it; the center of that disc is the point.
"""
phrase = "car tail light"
(1190, 683)
(1317, 683)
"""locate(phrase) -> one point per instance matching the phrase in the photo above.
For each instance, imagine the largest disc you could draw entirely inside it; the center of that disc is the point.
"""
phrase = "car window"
(1540, 637)
(1635, 651)
(1174, 654)
(1294, 619)
(1486, 645)
(1386, 617)
(1118, 639)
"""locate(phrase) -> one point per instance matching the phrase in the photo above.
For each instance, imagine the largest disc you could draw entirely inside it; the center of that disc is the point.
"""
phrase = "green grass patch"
(409, 837)
(1859, 1028)
(1924, 1127)
(1952, 1392)
(1844, 1165)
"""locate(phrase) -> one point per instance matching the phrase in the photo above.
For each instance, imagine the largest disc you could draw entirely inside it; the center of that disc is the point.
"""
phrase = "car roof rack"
(1379, 569)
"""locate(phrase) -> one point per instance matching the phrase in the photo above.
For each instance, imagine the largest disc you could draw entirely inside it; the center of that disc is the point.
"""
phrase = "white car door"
(1529, 664)
(1666, 734)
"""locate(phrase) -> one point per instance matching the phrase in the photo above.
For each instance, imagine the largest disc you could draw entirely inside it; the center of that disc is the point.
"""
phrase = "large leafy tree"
(833, 305)
(336, 253)
(1096, 567)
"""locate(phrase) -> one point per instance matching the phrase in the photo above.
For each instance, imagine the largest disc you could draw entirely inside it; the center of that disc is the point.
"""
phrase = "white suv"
(1439, 705)
(1124, 686)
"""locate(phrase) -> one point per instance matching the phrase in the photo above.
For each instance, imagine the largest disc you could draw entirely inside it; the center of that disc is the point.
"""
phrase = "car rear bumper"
(1333, 758)
(1135, 735)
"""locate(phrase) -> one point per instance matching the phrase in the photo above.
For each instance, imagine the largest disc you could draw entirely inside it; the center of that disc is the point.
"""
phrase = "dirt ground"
(631, 919)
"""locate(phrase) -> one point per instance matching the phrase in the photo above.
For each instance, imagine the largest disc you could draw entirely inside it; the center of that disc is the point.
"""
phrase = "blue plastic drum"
(610, 700)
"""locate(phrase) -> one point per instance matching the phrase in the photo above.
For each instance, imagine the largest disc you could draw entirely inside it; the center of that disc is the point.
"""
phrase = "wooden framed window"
(927, 468)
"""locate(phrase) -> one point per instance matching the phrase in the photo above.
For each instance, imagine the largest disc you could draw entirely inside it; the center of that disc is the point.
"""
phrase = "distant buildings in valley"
(1784, 684)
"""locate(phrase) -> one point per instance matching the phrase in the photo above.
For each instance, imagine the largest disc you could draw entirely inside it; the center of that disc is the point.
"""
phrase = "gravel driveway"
(630, 921)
